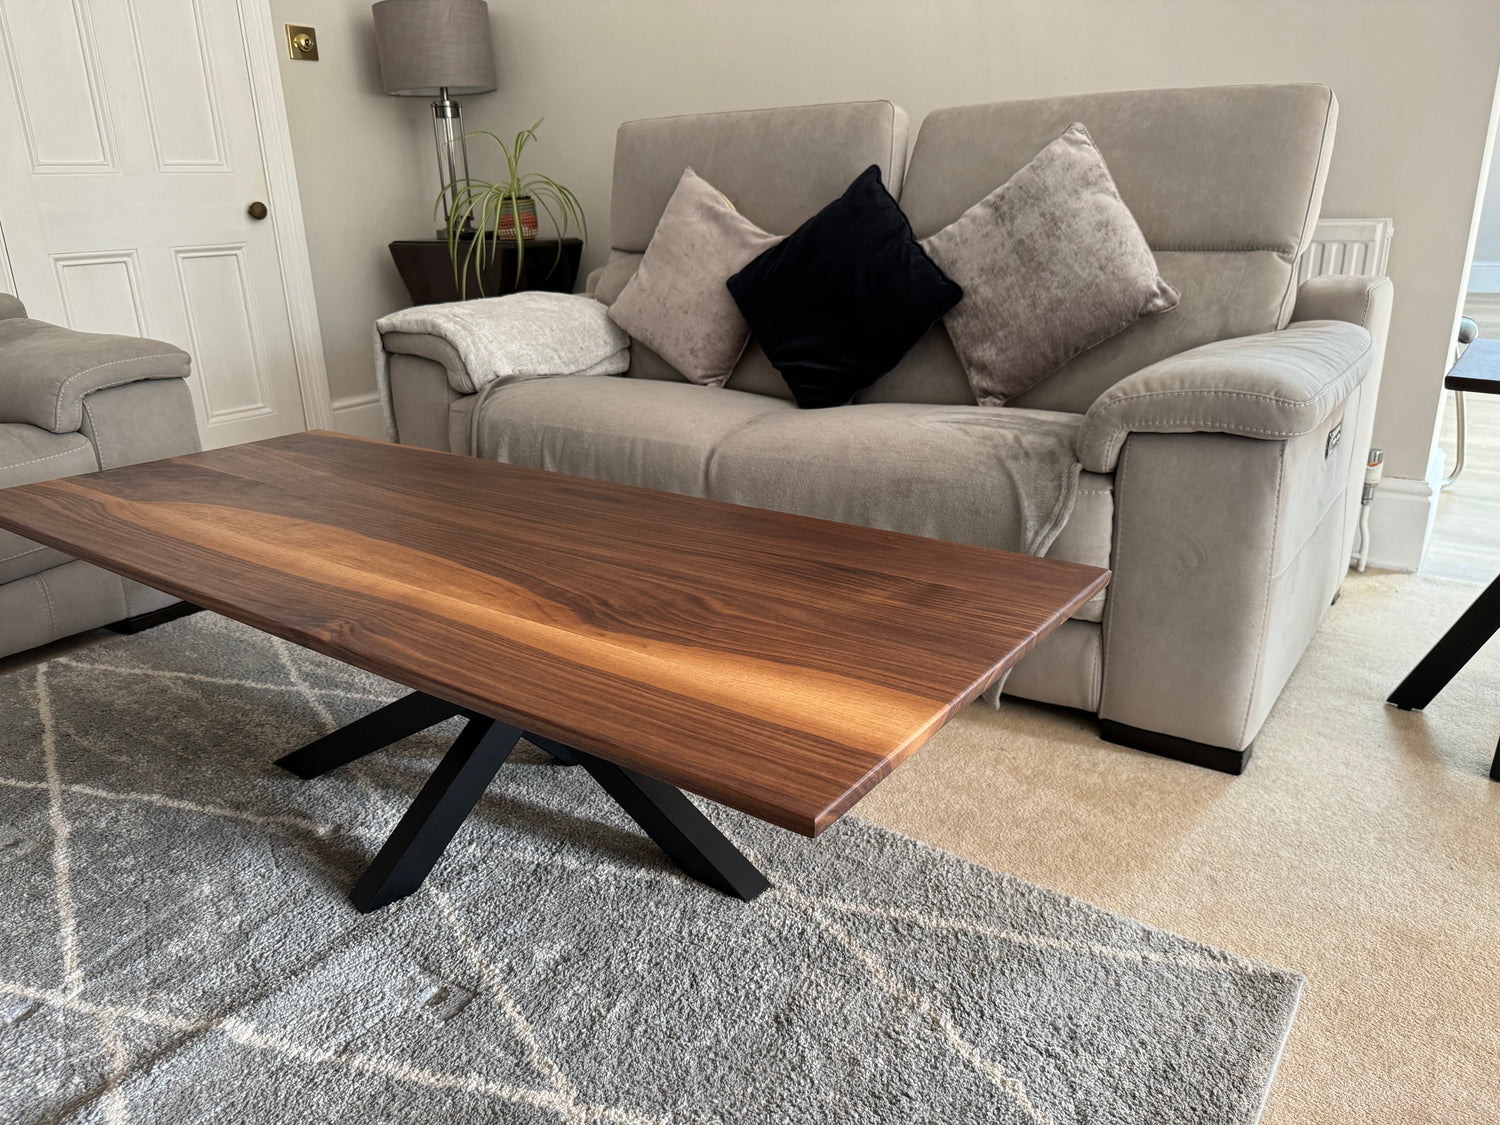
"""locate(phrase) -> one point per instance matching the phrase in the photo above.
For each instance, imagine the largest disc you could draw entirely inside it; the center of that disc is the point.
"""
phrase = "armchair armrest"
(46, 370)
(1358, 299)
(1273, 386)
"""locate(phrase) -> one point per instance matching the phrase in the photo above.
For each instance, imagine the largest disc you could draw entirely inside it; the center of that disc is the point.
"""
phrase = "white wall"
(1485, 276)
(363, 173)
(1416, 83)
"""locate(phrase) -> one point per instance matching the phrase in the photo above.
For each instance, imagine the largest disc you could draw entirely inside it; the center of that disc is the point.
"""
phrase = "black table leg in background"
(377, 730)
(564, 754)
(1458, 646)
(1444, 660)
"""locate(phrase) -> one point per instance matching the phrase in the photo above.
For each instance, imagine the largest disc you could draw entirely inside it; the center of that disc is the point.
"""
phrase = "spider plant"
(484, 202)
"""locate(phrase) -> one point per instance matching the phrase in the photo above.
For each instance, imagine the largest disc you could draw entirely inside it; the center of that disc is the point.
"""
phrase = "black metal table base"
(1445, 659)
(687, 836)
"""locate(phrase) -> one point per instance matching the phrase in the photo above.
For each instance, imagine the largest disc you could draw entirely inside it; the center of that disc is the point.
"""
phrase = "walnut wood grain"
(778, 664)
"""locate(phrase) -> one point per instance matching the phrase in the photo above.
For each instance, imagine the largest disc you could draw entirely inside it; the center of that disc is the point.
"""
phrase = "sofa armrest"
(1361, 300)
(1274, 386)
(487, 344)
(46, 370)
(10, 306)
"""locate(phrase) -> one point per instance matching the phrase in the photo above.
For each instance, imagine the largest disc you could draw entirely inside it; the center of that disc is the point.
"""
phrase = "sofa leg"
(1170, 746)
(143, 621)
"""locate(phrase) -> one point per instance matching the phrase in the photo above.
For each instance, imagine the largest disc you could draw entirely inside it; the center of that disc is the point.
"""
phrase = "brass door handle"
(257, 210)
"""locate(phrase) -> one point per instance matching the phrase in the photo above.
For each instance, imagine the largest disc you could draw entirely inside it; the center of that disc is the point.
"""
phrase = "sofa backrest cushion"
(1225, 182)
(779, 167)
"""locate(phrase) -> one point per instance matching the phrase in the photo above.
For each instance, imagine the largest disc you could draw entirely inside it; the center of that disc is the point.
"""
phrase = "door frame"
(257, 34)
(257, 31)
(7, 279)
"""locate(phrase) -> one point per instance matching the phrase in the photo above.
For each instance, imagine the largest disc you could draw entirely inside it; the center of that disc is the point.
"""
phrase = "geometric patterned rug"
(179, 944)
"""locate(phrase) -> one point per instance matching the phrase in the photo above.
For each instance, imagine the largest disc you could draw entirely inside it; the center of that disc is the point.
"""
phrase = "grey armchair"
(70, 403)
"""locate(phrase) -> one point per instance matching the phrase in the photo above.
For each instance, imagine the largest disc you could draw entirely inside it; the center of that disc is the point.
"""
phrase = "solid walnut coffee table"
(773, 663)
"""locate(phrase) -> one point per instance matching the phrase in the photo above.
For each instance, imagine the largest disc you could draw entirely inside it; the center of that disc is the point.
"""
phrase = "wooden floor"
(1466, 538)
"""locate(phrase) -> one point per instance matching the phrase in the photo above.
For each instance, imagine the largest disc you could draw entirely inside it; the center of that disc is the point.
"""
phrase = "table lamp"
(438, 48)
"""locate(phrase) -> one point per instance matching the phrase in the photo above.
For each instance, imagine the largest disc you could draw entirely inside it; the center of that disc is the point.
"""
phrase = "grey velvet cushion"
(677, 303)
(1051, 263)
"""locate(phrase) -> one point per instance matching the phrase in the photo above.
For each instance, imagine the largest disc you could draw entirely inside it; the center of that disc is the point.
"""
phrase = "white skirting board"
(1402, 515)
(359, 415)
(1401, 518)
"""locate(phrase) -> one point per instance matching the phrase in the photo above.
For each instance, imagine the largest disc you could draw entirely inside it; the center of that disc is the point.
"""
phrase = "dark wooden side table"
(427, 270)
(1477, 371)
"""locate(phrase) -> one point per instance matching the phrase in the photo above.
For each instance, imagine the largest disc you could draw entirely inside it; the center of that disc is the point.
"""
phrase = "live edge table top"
(778, 664)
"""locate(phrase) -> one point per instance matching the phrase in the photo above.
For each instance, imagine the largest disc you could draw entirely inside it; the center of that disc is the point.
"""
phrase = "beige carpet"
(1361, 848)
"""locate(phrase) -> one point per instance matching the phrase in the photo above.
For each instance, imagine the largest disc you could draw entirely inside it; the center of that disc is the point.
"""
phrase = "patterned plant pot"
(505, 224)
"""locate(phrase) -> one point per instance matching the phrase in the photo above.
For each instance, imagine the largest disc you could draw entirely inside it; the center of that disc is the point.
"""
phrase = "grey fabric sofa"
(76, 402)
(1221, 444)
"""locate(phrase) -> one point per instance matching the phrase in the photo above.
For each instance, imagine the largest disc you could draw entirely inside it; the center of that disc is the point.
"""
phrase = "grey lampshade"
(425, 45)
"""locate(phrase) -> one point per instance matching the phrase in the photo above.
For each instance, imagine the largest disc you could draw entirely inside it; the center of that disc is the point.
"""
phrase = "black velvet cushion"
(838, 303)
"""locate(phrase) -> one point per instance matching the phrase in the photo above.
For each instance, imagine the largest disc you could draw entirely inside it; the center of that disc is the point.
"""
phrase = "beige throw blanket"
(505, 339)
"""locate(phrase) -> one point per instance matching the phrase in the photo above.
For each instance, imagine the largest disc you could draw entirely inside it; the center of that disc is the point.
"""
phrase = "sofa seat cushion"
(994, 478)
(631, 431)
(29, 454)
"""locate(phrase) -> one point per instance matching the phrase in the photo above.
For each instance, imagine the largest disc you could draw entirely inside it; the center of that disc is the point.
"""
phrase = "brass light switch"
(302, 42)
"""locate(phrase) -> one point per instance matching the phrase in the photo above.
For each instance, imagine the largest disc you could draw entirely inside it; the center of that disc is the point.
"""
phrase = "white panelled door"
(129, 158)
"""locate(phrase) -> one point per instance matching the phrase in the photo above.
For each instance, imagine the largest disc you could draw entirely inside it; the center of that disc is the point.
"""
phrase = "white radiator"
(1357, 246)
(1351, 246)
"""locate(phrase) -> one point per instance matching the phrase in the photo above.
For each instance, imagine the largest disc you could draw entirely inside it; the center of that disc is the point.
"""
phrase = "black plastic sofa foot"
(1170, 746)
(143, 621)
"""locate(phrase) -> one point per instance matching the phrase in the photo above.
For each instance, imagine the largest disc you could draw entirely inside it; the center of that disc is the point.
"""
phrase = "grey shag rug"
(179, 946)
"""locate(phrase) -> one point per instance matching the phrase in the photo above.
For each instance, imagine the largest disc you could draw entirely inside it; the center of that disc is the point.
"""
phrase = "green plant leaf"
(483, 202)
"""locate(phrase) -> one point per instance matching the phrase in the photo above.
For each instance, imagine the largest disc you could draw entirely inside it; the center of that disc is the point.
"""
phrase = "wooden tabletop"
(1478, 369)
(778, 664)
